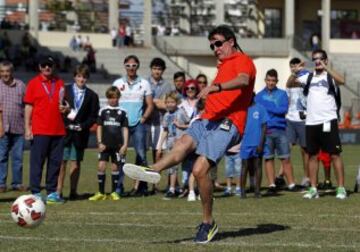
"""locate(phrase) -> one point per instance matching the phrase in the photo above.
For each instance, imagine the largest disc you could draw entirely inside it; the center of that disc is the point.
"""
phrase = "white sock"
(291, 186)
(172, 189)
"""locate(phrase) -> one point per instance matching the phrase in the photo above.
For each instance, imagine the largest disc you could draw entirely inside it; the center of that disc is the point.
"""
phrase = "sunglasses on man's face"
(46, 65)
(217, 44)
(318, 58)
(131, 65)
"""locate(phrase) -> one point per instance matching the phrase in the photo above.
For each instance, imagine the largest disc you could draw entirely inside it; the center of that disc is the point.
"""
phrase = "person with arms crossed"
(276, 103)
(222, 123)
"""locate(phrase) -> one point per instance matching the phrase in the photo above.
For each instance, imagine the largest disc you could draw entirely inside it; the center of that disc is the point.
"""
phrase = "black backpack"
(333, 90)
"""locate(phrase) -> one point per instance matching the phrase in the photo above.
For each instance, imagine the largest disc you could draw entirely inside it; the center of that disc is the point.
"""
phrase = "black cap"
(47, 60)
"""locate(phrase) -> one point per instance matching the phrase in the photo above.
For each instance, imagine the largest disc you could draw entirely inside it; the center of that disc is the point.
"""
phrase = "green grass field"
(283, 223)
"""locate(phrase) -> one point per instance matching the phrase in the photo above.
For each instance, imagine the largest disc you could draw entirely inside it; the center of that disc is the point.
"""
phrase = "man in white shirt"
(322, 118)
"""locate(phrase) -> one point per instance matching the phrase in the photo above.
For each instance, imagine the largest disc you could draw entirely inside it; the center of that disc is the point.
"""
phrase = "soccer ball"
(28, 211)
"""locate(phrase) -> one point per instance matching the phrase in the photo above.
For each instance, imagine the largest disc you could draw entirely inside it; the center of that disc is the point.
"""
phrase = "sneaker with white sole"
(142, 173)
(191, 196)
(341, 193)
(312, 193)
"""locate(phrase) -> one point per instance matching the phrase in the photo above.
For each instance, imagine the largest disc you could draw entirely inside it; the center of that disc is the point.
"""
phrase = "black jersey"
(112, 120)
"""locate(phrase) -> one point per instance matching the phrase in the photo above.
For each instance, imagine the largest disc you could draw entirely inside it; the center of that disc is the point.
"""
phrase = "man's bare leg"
(184, 146)
(201, 172)
(339, 168)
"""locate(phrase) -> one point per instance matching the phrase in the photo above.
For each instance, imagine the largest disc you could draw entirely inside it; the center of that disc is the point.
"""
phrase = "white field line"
(215, 243)
(199, 214)
(172, 226)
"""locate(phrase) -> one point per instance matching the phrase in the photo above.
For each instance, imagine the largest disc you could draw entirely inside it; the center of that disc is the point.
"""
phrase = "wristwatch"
(218, 85)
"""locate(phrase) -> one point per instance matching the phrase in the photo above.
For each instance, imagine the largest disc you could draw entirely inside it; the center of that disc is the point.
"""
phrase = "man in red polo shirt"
(220, 127)
(44, 127)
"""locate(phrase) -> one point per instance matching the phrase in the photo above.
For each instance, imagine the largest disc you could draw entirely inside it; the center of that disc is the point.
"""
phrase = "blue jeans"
(276, 142)
(232, 165)
(14, 144)
(138, 135)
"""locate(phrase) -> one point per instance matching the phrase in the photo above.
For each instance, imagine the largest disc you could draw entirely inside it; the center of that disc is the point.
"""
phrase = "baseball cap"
(47, 60)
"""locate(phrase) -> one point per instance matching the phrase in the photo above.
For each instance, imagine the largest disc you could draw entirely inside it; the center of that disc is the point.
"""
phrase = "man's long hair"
(227, 32)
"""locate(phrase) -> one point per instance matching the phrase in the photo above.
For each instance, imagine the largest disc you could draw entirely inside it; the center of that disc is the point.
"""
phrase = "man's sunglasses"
(317, 58)
(46, 65)
(217, 43)
(131, 65)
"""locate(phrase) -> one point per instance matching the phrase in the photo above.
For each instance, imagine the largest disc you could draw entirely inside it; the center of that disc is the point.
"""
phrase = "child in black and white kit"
(112, 136)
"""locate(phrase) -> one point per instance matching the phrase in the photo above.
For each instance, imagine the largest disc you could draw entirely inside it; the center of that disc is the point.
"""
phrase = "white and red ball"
(28, 211)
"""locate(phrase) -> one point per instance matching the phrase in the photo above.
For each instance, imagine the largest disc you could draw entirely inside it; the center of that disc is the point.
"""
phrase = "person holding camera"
(295, 118)
(84, 108)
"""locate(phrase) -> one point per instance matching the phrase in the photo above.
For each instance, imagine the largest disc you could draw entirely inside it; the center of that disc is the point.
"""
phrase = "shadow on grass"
(7, 200)
(260, 229)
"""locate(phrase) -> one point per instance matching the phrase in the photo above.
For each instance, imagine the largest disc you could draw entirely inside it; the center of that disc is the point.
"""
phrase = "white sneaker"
(341, 193)
(142, 173)
(191, 196)
(311, 193)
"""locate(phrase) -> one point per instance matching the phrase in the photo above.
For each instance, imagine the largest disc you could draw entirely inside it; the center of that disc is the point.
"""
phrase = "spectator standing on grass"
(222, 123)
(188, 104)
(321, 87)
(174, 123)
(252, 146)
(159, 88)
(11, 127)
(112, 137)
(84, 105)
(276, 103)
(137, 101)
(44, 127)
(295, 118)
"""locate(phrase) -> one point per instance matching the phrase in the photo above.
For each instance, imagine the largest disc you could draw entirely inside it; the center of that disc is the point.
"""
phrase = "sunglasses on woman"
(190, 88)
(131, 65)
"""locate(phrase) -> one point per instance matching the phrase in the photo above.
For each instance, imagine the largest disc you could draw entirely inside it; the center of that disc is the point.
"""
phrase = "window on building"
(273, 23)
(345, 24)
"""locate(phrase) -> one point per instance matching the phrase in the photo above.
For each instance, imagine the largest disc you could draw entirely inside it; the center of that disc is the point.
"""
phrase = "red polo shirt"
(232, 104)
(43, 95)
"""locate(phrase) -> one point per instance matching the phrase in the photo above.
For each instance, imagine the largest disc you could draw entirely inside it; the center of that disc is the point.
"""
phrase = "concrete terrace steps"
(112, 61)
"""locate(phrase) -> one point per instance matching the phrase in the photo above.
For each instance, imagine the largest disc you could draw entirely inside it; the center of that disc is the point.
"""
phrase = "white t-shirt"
(190, 110)
(321, 106)
(297, 102)
(132, 97)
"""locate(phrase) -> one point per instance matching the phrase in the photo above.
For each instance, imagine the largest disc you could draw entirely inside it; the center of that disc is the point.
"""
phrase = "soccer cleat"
(114, 196)
(40, 196)
(54, 198)
(98, 196)
(191, 196)
(280, 182)
(206, 232)
(142, 173)
(341, 193)
(305, 182)
(311, 193)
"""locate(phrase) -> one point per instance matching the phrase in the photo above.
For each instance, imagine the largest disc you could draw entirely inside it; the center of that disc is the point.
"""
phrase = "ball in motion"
(28, 211)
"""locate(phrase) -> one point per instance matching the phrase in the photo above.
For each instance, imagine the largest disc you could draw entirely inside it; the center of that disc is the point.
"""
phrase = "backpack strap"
(334, 90)
(307, 85)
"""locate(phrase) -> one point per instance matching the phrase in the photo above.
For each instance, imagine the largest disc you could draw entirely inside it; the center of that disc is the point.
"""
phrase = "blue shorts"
(247, 152)
(295, 132)
(211, 140)
(71, 153)
(276, 142)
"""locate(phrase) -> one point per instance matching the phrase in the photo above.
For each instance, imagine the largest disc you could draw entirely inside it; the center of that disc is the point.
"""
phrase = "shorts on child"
(247, 152)
(110, 154)
(232, 165)
(211, 140)
(71, 153)
(295, 132)
(276, 143)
